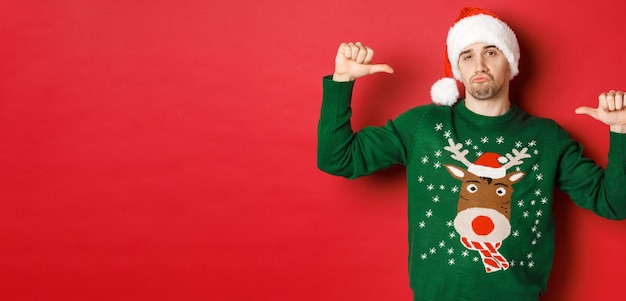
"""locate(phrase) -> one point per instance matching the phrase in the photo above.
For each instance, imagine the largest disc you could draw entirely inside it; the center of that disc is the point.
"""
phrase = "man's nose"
(480, 65)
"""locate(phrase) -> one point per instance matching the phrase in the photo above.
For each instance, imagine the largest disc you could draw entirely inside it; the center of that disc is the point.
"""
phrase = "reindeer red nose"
(482, 225)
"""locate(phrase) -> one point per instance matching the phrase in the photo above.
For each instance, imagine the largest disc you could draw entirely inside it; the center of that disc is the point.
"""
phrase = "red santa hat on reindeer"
(489, 165)
(473, 25)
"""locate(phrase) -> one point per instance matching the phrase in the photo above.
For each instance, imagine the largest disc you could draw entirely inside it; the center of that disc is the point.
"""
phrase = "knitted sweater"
(480, 190)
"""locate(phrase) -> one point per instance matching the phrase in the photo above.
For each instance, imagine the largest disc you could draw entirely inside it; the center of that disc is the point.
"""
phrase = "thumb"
(381, 68)
(587, 111)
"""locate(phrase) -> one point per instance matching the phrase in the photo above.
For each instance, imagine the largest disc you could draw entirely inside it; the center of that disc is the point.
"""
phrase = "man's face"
(485, 71)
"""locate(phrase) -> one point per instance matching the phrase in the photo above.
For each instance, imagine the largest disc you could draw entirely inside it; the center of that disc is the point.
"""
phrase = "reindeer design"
(484, 206)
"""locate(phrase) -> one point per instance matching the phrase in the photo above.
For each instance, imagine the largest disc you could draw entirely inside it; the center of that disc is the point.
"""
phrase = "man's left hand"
(611, 110)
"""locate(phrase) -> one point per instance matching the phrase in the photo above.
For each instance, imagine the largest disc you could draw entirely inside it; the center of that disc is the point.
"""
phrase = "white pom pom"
(445, 91)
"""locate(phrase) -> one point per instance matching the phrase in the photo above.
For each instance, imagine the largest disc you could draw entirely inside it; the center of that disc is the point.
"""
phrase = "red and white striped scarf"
(492, 259)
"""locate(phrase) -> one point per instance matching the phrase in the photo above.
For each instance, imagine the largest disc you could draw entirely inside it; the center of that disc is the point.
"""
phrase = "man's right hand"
(354, 60)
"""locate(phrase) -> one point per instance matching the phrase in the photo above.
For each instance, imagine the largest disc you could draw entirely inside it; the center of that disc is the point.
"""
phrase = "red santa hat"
(473, 25)
(488, 165)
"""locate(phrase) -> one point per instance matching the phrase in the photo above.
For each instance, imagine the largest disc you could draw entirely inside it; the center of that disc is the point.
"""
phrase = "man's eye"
(467, 57)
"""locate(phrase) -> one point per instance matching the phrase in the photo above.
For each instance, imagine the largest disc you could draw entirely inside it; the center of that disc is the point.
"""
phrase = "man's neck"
(488, 107)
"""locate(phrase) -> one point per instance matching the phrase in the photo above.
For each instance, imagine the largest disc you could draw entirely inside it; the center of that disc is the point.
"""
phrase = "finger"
(347, 51)
(619, 100)
(369, 56)
(344, 50)
(381, 68)
(610, 100)
(362, 53)
(587, 111)
(354, 51)
(602, 104)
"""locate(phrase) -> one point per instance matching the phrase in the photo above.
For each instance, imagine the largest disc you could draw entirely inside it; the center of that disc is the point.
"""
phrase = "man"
(480, 171)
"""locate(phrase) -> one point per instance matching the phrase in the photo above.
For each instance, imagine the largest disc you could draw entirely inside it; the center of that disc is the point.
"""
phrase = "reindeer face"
(484, 206)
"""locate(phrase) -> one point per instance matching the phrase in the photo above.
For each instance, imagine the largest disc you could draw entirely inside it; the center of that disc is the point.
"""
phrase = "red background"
(165, 150)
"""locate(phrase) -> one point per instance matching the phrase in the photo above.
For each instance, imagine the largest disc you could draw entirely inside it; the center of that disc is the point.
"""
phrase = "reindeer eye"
(501, 191)
(472, 188)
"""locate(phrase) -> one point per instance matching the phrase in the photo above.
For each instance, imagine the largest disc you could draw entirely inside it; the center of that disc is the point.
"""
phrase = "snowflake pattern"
(529, 213)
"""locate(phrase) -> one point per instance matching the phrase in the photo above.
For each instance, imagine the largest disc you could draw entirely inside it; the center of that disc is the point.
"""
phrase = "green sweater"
(480, 190)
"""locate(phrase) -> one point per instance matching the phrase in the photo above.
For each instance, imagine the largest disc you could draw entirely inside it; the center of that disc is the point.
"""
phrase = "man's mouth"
(480, 79)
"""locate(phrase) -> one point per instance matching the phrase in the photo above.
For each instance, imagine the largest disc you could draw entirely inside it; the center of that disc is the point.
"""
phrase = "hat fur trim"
(445, 91)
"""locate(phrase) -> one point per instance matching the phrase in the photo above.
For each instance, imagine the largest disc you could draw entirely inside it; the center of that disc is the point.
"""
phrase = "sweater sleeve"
(343, 152)
(590, 186)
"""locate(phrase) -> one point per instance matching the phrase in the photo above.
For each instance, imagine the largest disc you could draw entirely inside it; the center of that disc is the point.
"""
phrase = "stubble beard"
(484, 91)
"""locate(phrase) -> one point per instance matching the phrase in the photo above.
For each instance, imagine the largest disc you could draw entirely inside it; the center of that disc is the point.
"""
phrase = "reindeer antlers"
(517, 159)
(457, 154)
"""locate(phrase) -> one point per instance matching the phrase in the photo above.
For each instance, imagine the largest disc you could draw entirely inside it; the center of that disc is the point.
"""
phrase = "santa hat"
(473, 25)
(488, 165)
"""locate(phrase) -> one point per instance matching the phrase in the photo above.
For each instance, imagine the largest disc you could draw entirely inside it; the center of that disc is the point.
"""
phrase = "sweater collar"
(481, 120)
